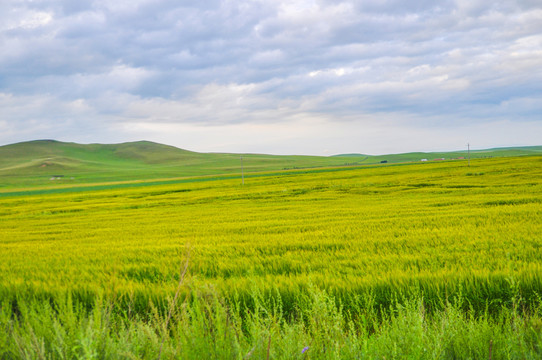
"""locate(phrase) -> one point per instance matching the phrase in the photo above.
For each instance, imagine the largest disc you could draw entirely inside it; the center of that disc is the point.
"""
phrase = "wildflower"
(305, 349)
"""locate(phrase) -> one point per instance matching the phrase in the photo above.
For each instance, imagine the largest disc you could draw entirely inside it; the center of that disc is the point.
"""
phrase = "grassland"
(344, 260)
(35, 163)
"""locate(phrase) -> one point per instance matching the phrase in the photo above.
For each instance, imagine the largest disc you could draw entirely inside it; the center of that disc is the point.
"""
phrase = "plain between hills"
(49, 166)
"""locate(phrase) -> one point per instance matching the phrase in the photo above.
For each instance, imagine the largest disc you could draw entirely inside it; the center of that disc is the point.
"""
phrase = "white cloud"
(35, 20)
(322, 70)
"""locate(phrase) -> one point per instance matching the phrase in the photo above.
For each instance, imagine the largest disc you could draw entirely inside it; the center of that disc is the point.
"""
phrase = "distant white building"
(423, 160)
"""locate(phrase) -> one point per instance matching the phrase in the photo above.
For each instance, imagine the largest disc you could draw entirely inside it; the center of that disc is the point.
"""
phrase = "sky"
(277, 77)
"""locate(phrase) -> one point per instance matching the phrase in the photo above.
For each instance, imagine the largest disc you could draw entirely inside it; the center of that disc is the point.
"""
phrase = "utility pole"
(468, 152)
(242, 172)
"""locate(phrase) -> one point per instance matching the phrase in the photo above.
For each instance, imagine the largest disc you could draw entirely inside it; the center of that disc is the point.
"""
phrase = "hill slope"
(50, 162)
(37, 162)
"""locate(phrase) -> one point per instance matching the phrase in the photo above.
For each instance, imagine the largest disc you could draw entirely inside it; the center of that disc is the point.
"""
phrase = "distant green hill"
(53, 163)
(451, 155)
(50, 162)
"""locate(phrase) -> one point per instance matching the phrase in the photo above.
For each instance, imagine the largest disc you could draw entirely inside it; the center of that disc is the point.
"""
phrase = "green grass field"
(35, 163)
(342, 261)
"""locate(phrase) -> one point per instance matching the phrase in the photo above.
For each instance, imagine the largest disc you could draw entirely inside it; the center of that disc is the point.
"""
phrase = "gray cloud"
(108, 68)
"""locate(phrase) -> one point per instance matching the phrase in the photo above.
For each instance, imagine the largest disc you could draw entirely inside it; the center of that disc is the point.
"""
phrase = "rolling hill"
(53, 163)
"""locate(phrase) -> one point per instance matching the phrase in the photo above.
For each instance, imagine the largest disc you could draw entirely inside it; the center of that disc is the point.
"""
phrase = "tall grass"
(207, 326)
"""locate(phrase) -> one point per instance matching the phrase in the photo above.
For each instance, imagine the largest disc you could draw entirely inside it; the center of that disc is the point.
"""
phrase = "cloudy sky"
(269, 76)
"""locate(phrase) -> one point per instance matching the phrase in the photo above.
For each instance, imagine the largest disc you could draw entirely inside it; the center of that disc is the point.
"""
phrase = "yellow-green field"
(421, 261)
(437, 227)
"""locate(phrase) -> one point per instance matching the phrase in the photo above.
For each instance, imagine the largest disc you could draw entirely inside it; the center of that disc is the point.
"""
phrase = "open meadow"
(340, 261)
